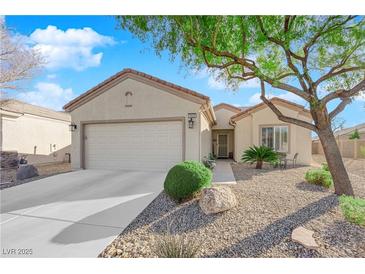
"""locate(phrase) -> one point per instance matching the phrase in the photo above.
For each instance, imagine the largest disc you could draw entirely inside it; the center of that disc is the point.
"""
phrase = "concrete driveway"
(74, 214)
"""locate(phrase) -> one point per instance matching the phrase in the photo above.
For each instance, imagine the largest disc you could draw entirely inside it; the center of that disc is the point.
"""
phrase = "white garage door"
(133, 146)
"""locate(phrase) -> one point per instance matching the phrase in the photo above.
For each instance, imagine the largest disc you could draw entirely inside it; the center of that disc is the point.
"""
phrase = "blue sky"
(82, 51)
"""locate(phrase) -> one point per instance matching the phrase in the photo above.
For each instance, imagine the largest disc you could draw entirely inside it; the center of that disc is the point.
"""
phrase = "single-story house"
(345, 134)
(40, 134)
(135, 121)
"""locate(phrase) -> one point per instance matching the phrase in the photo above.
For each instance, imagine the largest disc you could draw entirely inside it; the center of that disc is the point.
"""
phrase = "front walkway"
(222, 173)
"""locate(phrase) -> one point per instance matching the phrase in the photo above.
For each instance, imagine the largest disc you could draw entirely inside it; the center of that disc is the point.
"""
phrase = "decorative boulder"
(217, 199)
(304, 237)
(26, 171)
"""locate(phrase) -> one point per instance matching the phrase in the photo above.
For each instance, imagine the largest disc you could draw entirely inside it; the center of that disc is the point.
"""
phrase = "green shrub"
(259, 155)
(319, 177)
(353, 209)
(324, 166)
(187, 178)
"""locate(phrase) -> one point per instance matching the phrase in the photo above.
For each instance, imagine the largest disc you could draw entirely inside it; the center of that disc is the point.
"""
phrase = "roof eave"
(139, 76)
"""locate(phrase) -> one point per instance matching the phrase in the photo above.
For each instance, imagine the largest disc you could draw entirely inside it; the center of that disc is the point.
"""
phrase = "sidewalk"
(222, 173)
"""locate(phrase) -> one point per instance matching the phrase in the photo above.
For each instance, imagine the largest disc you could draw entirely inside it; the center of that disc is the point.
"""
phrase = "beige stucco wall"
(23, 132)
(222, 116)
(247, 133)
(147, 102)
(242, 136)
(206, 137)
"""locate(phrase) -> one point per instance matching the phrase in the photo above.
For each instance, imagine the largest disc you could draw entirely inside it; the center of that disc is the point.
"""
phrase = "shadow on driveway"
(96, 226)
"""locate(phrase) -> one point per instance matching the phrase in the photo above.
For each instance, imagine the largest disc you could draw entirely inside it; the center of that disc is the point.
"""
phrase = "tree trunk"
(259, 164)
(335, 164)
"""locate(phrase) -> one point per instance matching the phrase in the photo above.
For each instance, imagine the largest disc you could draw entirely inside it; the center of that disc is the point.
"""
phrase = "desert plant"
(353, 209)
(259, 155)
(175, 246)
(324, 166)
(355, 135)
(209, 161)
(186, 179)
(211, 156)
(319, 177)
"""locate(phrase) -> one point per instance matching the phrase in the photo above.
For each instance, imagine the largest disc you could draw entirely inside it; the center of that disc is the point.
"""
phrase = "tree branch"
(332, 74)
(324, 30)
(277, 41)
(343, 93)
(340, 107)
(286, 87)
(282, 117)
(287, 51)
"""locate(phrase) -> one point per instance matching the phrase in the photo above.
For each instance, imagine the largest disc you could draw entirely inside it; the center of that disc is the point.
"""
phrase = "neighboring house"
(40, 133)
(344, 134)
(136, 121)
(348, 148)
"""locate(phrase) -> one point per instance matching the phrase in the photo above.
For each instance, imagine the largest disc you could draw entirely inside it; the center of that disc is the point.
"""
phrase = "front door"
(223, 145)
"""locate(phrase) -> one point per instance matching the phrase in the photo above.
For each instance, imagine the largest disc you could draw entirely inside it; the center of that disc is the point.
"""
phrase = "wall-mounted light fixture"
(72, 126)
(191, 119)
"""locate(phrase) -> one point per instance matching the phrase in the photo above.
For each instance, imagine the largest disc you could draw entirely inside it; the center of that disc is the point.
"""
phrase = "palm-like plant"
(259, 155)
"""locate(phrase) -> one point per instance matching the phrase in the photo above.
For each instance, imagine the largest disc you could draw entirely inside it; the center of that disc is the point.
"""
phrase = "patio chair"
(284, 162)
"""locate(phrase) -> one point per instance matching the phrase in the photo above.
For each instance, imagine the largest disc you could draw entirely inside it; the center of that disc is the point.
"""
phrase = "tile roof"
(20, 107)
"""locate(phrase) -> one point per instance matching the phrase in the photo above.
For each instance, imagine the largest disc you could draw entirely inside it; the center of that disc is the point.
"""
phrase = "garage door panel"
(133, 146)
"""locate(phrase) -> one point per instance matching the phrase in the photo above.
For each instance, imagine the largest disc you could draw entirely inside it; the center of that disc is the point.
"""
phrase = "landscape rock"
(304, 237)
(217, 199)
(26, 171)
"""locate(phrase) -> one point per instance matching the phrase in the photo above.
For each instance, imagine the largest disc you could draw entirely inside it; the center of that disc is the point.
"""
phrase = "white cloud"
(255, 98)
(360, 97)
(200, 74)
(72, 48)
(215, 83)
(48, 95)
(292, 98)
(51, 76)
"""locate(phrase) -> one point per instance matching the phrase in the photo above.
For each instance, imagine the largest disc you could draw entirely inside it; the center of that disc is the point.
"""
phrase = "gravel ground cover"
(354, 166)
(271, 204)
(44, 170)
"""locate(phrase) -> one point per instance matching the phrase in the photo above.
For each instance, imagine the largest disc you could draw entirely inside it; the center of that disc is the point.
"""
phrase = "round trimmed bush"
(319, 177)
(187, 178)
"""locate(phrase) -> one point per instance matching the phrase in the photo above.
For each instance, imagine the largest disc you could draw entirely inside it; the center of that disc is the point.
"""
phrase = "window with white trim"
(275, 137)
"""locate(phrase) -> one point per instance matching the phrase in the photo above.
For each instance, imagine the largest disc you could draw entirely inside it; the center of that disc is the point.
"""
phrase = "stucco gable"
(223, 116)
(138, 76)
(147, 79)
(226, 106)
(276, 101)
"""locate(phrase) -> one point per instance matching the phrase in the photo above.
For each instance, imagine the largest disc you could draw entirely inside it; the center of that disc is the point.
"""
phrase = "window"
(275, 137)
